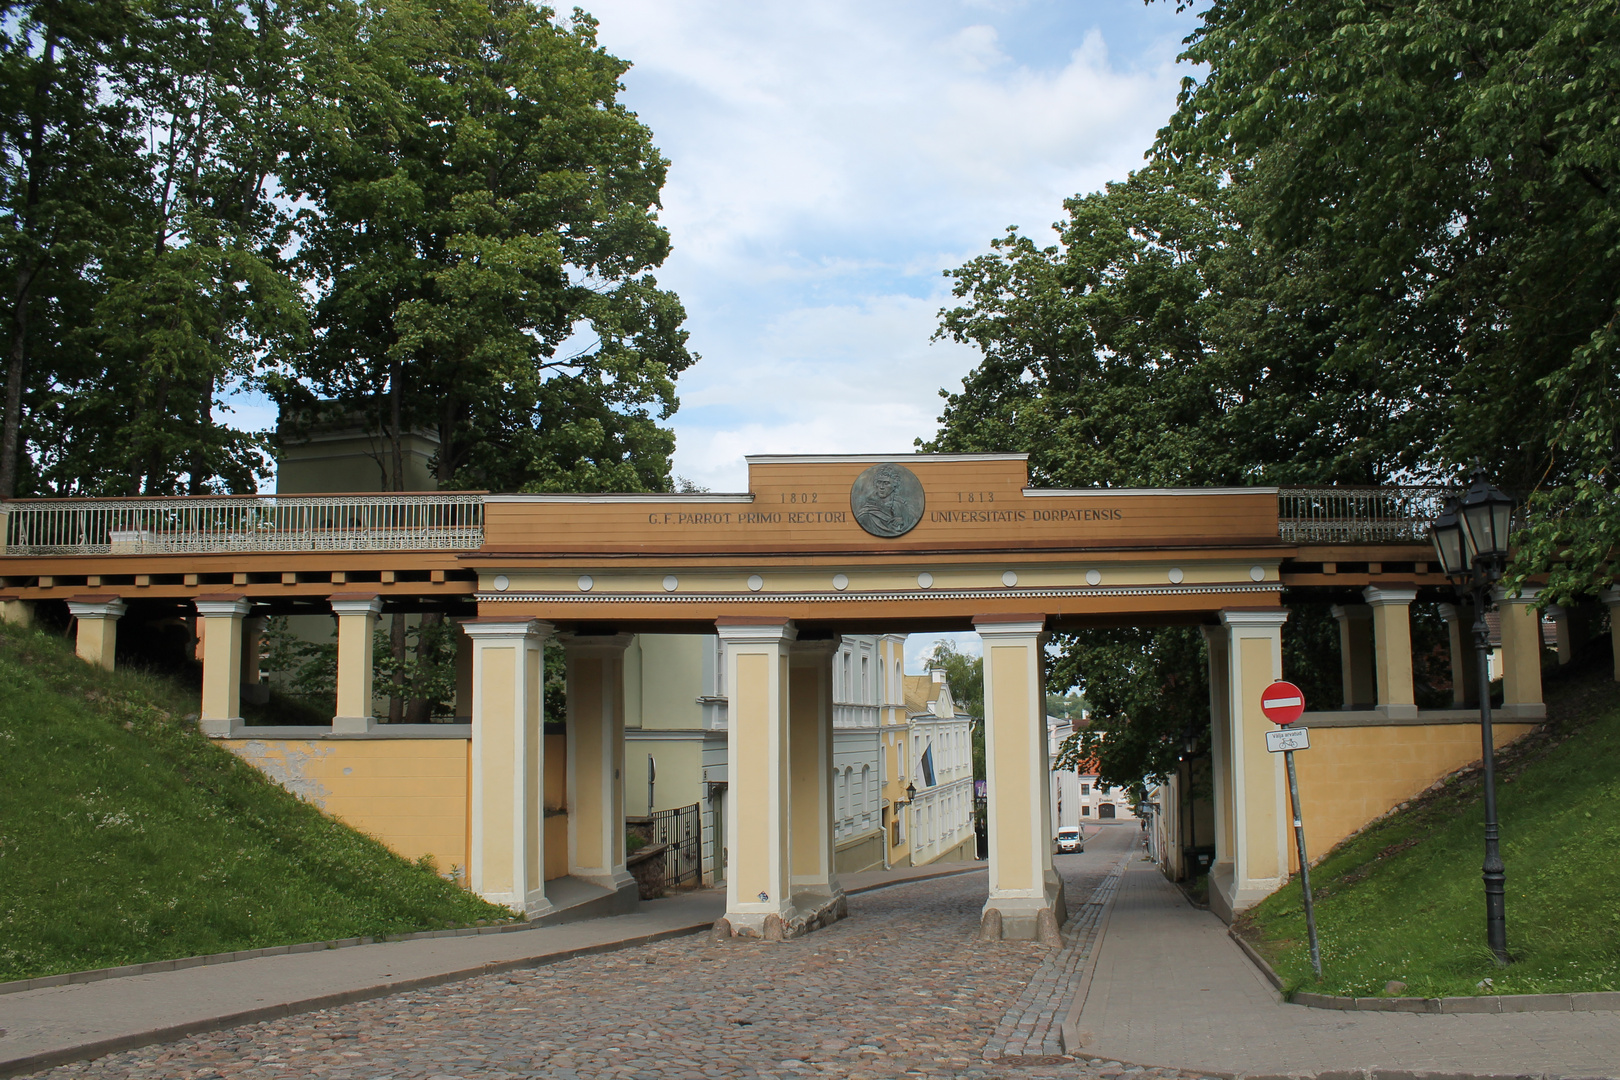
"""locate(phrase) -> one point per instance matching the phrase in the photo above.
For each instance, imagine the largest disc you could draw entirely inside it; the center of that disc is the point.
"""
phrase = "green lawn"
(125, 836)
(1403, 900)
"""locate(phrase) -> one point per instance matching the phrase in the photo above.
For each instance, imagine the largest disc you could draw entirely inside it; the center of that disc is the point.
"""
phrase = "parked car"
(1069, 840)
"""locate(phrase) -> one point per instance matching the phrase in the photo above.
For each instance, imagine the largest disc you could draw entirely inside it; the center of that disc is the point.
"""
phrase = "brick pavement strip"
(1032, 1026)
(902, 988)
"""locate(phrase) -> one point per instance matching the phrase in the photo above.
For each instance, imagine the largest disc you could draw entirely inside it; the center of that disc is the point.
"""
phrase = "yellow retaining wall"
(1351, 775)
(411, 794)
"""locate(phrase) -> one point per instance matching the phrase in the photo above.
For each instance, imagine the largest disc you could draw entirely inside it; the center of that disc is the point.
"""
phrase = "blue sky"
(830, 160)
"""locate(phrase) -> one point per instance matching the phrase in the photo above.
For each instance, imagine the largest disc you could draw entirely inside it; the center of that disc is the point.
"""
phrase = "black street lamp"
(1471, 541)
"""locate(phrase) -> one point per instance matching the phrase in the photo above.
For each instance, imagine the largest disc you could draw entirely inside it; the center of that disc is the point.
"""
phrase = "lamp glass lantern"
(1447, 534)
(1486, 514)
(911, 793)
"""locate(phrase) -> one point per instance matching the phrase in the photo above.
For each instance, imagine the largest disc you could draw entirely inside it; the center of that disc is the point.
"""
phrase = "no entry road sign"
(1282, 702)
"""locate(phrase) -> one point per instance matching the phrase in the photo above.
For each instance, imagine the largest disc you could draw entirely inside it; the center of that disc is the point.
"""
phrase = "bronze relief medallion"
(887, 500)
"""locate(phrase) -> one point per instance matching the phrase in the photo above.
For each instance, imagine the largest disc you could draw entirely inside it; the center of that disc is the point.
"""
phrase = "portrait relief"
(887, 500)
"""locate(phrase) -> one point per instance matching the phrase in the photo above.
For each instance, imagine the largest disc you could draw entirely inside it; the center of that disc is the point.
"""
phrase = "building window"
(1085, 811)
(865, 682)
(1085, 789)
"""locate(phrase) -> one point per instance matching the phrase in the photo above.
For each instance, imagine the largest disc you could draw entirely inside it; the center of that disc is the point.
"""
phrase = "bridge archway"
(817, 547)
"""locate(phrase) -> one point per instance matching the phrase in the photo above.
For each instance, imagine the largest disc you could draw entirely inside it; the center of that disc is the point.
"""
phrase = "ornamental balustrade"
(271, 523)
(1356, 515)
(247, 523)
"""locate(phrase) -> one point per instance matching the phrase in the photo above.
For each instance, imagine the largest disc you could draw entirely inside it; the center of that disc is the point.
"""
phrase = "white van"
(1068, 840)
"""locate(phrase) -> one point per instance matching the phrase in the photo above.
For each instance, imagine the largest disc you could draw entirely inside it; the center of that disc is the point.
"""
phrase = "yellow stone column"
(16, 611)
(1260, 825)
(1611, 598)
(1392, 650)
(1026, 895)
(1464, 666)
(1222, 771)
(507, 862)
(357, 619)
(220, 624)
(1521, 655)
(817, 894)
(595, 679)
(759, 888)
(98, 617)
(1356, 664)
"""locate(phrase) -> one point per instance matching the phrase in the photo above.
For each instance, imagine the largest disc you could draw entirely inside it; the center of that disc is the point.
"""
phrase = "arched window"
(848, 775)
(865, 789)
(841, 794)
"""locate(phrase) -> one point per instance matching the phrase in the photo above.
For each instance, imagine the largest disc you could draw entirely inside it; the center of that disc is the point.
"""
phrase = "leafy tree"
(1453, 168)
(482, 224)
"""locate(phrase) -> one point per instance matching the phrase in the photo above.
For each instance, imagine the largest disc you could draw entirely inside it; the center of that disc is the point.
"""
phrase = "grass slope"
(126, 836)
(1403, 900)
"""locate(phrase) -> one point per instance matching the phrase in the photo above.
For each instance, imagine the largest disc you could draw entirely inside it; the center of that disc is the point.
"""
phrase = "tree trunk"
(11, 432)
(420, 709)
(12, 436)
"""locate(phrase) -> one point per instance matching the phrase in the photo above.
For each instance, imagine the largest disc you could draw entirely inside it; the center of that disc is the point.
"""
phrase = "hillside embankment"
(1403, 902)
(126, 836)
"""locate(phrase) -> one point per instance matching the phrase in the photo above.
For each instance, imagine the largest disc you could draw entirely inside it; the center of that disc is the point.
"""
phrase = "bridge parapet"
(242, 523)
(1359, 515)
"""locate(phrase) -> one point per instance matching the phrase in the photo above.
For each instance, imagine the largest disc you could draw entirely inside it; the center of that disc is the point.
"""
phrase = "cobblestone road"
(901, 988)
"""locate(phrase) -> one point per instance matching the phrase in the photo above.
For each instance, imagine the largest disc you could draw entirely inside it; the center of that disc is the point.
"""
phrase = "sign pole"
(1283, 703)
(1304, 863)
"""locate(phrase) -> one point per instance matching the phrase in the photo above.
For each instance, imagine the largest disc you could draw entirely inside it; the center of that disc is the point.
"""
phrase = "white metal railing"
(244, 523)
(1348, 515)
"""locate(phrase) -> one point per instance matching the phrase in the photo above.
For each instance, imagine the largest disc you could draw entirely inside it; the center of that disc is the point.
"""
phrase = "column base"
(807, 912)
(1228, 897)
(1399, 712)
(353, 725)
(619, 879)
(220, 729)
(531, 907)
(1026, 918)
(1520, 710)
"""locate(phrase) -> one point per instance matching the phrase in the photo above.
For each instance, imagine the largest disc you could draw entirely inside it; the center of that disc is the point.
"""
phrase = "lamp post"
(1471, 539)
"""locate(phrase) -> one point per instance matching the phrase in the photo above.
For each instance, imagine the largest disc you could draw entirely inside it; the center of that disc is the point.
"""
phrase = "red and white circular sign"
(1282, 702)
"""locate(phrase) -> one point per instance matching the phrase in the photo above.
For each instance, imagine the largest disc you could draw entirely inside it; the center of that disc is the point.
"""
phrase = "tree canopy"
(1373, 243)
(437, 213)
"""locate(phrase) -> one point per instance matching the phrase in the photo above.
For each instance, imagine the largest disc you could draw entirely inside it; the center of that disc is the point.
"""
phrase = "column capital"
(1611, 596)
(1254, 618)
(355, 603)
(757, 629)
(1351, 611)
(1380, 596)
(496, 627)
(814, 651)
(1009, 625)
(223, 604)
(96, 606)
(1527, 595)
(594, 644)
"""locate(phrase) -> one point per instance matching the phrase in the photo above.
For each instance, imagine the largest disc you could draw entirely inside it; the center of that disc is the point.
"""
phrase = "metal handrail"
(242, 523)
(1349, 515)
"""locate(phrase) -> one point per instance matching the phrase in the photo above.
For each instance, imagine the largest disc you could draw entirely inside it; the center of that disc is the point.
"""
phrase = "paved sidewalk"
(43, 1027)
(1171, 989)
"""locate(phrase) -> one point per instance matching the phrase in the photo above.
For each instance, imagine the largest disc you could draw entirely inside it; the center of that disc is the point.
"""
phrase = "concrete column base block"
(807, 913)
(535, 907)
(1220, 891)
(219, 729)
(1399, 712)
(1533, 710)
(353, 725)
(1020, 916)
